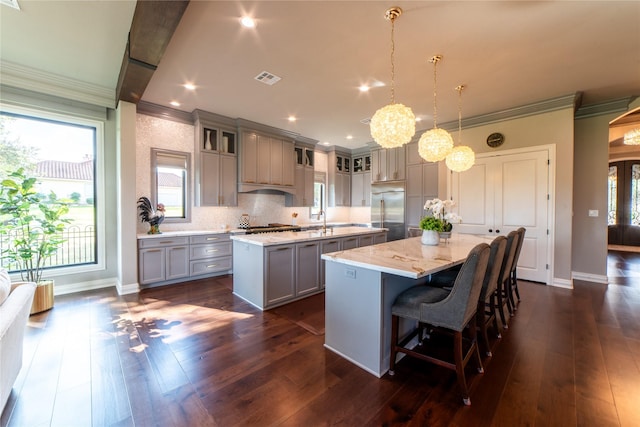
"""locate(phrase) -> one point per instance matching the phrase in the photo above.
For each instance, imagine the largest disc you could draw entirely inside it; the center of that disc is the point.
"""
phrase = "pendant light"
(461, 157)
(395, 124)
(435, 144)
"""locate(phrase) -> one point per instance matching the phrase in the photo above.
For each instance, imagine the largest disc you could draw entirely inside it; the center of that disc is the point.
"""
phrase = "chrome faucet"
(324, 220)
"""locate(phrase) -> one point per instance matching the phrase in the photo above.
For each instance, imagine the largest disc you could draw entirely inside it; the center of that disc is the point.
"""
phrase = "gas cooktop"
(271, 228)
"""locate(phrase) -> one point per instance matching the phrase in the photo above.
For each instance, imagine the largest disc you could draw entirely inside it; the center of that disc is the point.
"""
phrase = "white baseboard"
(562, 283)
(588, 277)
(83, 286)
(132, 288)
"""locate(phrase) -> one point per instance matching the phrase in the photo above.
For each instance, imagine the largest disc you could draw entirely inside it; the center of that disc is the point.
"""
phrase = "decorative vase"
(430, 237)
(446, 235)
(154, 229)
(207, 140)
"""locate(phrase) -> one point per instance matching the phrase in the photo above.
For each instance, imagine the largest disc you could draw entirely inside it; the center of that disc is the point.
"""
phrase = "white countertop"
(285, 237)
(409, 257)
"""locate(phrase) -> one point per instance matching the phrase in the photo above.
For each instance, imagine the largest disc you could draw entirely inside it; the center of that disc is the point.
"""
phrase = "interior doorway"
(624, 203)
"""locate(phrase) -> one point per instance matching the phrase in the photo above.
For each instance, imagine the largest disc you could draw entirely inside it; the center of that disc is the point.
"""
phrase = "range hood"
(244, 187)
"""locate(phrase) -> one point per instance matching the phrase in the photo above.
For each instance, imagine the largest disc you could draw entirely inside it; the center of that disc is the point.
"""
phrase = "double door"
(624, 203)
(499, 194)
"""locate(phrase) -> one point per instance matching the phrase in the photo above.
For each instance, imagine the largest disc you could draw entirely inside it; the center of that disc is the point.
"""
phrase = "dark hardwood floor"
(195, 355)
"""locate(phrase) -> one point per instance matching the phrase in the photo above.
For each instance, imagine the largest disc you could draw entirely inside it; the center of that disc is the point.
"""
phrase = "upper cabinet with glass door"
(216, 162)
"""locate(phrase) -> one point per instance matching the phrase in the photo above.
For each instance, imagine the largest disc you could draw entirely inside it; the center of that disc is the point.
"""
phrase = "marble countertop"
(285, 237)
(409, 257)
(310, 225)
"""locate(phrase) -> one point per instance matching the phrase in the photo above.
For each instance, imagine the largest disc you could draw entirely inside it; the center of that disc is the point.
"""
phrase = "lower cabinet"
(280, 263)
(270, 276)
(166, 260)
(307, 268)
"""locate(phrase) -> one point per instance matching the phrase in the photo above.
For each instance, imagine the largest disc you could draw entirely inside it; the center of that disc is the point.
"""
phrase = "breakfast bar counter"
(362, 284)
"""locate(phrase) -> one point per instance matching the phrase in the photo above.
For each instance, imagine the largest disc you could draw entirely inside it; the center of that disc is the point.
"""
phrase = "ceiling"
(507, 53)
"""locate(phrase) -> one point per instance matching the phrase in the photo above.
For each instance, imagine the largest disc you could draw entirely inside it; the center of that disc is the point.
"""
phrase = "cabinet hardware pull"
(212, 238)
(249, 181)
(309, 245)
(282, 249)
(166, 242)
(261, 182)
(212, 265)
(212, 250)
(154, 250)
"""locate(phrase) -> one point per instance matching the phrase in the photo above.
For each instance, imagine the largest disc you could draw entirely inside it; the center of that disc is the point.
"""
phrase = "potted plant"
(31, 224)
(439, 222)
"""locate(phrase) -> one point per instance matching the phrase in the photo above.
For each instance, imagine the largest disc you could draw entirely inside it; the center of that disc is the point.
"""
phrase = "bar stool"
(486, 315)
(451, 311)
(504, 283)
(514, 268)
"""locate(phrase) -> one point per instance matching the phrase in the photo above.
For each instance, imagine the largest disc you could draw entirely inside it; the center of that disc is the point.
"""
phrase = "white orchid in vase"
(440, 217)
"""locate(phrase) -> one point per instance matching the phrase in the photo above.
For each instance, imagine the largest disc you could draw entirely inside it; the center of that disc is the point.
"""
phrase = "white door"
(502, 193)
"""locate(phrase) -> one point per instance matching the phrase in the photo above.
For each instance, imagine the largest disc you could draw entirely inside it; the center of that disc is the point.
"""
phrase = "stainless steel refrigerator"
(387, 208)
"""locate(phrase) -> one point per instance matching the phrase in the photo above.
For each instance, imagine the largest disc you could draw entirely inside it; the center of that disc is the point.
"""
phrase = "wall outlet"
(593, 212)
(351, 273)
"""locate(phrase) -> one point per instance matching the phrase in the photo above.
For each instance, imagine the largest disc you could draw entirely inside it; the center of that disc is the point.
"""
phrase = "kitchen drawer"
(208, 266)
(162, 242)
(209, 238)
(211, 250)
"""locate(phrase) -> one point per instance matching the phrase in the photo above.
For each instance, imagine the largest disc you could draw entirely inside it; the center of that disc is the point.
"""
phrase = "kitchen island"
(271, 269)
(363, 283)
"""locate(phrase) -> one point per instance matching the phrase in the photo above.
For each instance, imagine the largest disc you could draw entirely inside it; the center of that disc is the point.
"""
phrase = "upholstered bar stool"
(514, 268)
(451, 311)
(488, 294)
(504, 284)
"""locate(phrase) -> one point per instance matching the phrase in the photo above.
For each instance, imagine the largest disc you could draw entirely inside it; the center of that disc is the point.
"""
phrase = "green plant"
(432, 223)
(32, 222)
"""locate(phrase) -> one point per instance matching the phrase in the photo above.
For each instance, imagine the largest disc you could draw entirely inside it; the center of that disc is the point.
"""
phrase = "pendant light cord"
(393, 71)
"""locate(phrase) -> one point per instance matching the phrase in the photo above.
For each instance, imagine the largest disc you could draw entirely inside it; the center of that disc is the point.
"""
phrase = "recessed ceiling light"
(326, 143)
(248, 22)
(364, 88)
(292, 118)
(349, 136)
(418, 119)
(189, 86)
(175, 103)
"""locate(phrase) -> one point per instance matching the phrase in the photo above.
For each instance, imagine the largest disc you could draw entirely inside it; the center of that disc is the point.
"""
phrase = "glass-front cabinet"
(216, 162)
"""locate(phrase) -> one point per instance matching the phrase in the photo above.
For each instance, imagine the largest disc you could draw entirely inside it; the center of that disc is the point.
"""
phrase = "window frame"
(186, 187)
(99, 183)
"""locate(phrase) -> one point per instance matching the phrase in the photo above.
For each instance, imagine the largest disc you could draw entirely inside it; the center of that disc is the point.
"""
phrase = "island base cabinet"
(307, 268)
(327, 246)
(280, 273)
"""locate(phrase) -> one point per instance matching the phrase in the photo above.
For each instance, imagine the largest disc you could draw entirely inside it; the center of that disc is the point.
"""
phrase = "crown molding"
(166, 113)
(615, 106)
(27, 78)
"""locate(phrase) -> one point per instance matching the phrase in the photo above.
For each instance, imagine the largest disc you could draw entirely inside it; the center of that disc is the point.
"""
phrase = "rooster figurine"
(153, 216)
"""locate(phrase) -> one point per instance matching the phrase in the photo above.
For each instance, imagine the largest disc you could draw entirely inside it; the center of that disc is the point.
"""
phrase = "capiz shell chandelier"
(461, 157)
(395, 124)
(435, 144)
(632, 137)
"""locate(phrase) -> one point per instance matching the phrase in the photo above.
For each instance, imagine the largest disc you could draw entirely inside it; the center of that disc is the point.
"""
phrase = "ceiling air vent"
(267, 78)
(366, 121)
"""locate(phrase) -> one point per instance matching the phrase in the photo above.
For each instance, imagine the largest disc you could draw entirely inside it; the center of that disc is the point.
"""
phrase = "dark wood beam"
(153, 25)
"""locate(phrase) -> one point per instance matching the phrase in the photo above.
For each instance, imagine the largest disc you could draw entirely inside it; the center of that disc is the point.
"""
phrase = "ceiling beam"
(152, 27)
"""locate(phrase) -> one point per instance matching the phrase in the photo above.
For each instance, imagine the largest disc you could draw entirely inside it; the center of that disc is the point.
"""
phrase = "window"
(612, 217)
(319, 194)
(170, 176)
(61, 153)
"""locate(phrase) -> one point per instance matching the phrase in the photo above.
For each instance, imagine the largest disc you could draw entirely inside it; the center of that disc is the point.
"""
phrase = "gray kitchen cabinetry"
(210, 253)
(422, 184)
(266, 162)
(216, 160)
(361, 180)
(326, 246)
(280, 263)
(350, 243)
(164, 259)
(339, 179)
(307, 268)
(388, 164)
(304, 177)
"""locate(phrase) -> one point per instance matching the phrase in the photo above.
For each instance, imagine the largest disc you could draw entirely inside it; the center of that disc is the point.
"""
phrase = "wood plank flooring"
(196, 355)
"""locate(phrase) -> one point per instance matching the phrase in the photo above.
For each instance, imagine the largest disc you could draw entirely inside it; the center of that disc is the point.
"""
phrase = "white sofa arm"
(14, 313)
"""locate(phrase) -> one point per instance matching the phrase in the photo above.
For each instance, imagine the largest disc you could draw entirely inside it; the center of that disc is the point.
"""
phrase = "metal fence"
(79, 247)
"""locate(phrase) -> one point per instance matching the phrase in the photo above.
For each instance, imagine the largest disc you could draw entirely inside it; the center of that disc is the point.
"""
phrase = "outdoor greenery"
(33, 224)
